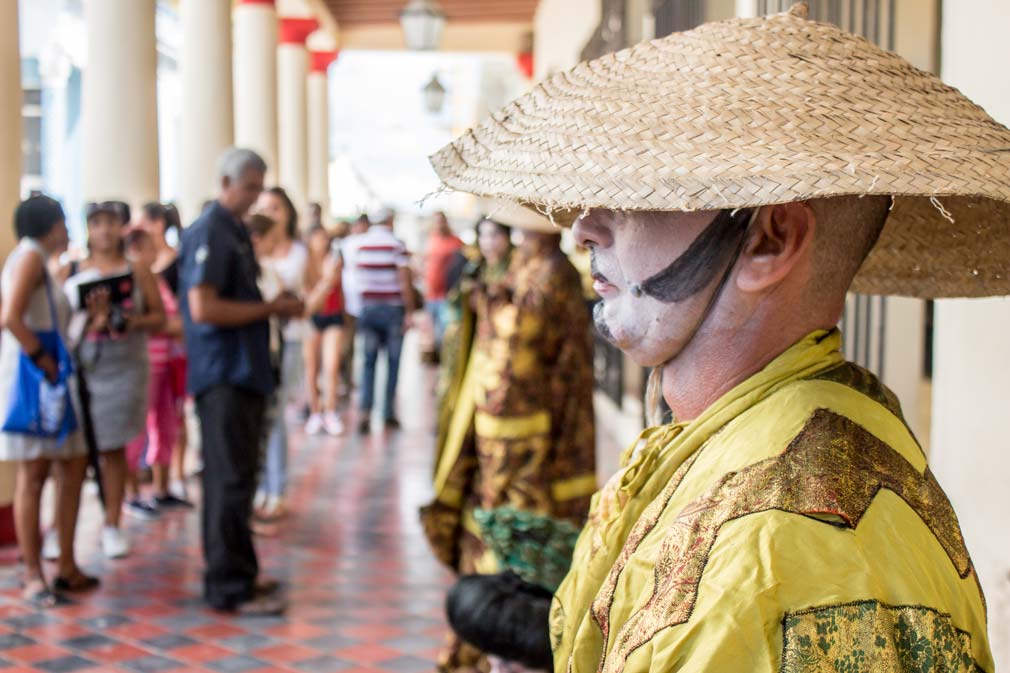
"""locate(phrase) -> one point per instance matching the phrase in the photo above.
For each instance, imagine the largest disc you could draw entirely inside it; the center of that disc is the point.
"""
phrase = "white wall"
(561, 29)
(971, 393)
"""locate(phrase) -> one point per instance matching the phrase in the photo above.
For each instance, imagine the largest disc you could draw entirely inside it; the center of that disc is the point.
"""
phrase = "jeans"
(275, 461)
(382, 327)
(436, 309)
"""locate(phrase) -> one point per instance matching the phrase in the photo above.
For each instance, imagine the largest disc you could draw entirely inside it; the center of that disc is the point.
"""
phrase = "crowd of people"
(239, 325)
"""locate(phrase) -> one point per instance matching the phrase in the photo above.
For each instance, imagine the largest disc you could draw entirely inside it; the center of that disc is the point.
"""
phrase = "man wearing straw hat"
(733, 182)
(521, 433)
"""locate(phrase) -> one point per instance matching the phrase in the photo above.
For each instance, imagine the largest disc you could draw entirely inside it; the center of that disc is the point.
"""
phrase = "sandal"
(77, 583)
(46, 599)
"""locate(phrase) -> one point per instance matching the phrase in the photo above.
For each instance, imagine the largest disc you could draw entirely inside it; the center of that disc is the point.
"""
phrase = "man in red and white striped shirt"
(378, 262)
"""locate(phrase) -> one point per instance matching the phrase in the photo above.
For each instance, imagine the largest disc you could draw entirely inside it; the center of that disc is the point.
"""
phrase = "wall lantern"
(434, 95)
(422, 22)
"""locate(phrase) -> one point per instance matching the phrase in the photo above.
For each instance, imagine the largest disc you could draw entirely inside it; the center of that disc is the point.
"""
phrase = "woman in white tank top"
(42, 233)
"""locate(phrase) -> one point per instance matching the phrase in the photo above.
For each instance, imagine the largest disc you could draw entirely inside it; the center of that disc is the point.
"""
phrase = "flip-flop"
(78, 583)
(46, 599)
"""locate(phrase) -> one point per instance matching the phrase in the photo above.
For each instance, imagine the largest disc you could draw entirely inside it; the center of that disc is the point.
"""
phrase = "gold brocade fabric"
(801, 490)
(870, 636)
(520, 429)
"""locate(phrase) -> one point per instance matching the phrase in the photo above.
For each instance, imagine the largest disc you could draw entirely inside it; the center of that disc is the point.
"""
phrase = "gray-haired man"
(228, 346)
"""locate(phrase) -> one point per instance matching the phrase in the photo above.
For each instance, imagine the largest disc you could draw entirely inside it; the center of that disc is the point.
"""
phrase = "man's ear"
(780, 239)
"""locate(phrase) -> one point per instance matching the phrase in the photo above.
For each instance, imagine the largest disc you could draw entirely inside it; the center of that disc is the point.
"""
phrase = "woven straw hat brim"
(514, 215)
(759, 111)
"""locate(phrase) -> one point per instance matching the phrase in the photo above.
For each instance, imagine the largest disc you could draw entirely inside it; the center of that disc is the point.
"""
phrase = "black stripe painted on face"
(703, 261)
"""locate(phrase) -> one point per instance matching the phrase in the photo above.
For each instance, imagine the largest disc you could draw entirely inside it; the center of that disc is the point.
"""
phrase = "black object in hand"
(503, 615)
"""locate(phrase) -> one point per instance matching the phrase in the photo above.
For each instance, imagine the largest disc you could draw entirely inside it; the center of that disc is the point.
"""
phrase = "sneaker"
(365, 426)
(392, 423)
(138, 509)
(114, 544)
(333, 425)
(51, 546)
(315, 425)
(172, 501)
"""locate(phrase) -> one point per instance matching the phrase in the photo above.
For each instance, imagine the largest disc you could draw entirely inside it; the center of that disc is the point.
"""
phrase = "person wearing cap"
(381, 286)
(522, 430)
(226, 325)
(732, 183)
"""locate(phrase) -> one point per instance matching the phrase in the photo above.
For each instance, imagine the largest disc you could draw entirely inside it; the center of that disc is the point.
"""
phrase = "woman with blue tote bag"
(34, 313)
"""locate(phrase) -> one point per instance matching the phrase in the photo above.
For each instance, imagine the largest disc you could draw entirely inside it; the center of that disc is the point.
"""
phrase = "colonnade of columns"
(245, 80)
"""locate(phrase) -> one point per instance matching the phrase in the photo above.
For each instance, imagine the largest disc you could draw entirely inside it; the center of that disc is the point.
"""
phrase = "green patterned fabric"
(537, 548)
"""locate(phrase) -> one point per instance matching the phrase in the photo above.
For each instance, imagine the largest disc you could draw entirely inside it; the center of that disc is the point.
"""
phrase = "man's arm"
(206, 306)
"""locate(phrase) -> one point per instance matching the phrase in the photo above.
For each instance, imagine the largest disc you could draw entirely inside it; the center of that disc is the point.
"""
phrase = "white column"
(206, 126)
(120, 102)
(292, 107)
(746, 8)
(971, 404)
(319, 130)
(255, 69)
(904, 346)
(10, 173)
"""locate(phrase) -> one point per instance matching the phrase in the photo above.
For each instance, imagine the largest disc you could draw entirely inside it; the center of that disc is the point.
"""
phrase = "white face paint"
(629, 248)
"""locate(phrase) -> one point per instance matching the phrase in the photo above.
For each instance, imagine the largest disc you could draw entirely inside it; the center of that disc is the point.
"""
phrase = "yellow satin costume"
(793, 527)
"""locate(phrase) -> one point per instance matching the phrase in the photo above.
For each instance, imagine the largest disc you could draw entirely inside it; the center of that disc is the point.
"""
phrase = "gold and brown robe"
(521, 428)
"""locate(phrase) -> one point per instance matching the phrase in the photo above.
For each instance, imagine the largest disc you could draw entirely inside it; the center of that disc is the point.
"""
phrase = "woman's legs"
(313, 341)
(332, 347)
(114, 481)
(69, 479)
(162, 429)
(31, 479)
(178, 469)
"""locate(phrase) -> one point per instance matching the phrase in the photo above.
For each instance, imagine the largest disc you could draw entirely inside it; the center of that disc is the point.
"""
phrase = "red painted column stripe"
(295, 30)
(321, 60)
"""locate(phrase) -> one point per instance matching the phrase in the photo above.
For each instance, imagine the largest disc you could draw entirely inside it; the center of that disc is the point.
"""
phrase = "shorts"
(325, 322)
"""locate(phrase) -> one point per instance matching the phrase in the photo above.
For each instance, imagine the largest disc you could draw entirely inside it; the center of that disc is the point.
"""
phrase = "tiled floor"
(365, 593)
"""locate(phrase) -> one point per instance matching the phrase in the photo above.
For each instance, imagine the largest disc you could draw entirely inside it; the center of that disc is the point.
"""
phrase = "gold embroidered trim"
(833, 467)
(873, 636)
(511, 427)
(574, 487)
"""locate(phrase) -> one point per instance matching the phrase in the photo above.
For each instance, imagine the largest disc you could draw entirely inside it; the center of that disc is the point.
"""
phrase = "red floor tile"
(367, 654)
(286, 653)
(33, 653)
(200, 653)
(297, 631)
(136, 631)
(215, 631)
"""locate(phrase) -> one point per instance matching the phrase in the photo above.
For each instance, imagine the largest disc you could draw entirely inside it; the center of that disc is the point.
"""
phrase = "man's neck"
(230, 209)
(716, 361)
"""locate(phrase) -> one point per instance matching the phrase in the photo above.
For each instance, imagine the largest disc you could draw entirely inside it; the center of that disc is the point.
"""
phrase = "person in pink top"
(163, 401)
(441, 246)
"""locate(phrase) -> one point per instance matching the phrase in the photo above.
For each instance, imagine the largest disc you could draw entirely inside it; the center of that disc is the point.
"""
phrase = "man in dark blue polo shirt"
(228, 346)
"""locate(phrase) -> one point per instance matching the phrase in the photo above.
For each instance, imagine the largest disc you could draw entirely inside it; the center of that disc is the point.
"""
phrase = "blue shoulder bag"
(37, 406)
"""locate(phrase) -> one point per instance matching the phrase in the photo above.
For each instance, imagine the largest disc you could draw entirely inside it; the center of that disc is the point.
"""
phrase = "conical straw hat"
(759, 111)
(511, 214)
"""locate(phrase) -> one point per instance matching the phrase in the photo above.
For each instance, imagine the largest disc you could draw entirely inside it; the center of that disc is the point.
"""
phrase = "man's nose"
(590, 233)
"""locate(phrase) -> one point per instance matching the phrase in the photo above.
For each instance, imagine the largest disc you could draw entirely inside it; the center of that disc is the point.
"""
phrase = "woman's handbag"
(39, 407)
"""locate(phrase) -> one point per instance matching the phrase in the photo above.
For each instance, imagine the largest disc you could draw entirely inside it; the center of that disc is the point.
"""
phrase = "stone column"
(319, 130)
(10, 190)
(292, 107)
(207, 119)
(255, 66)
(120, 102)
